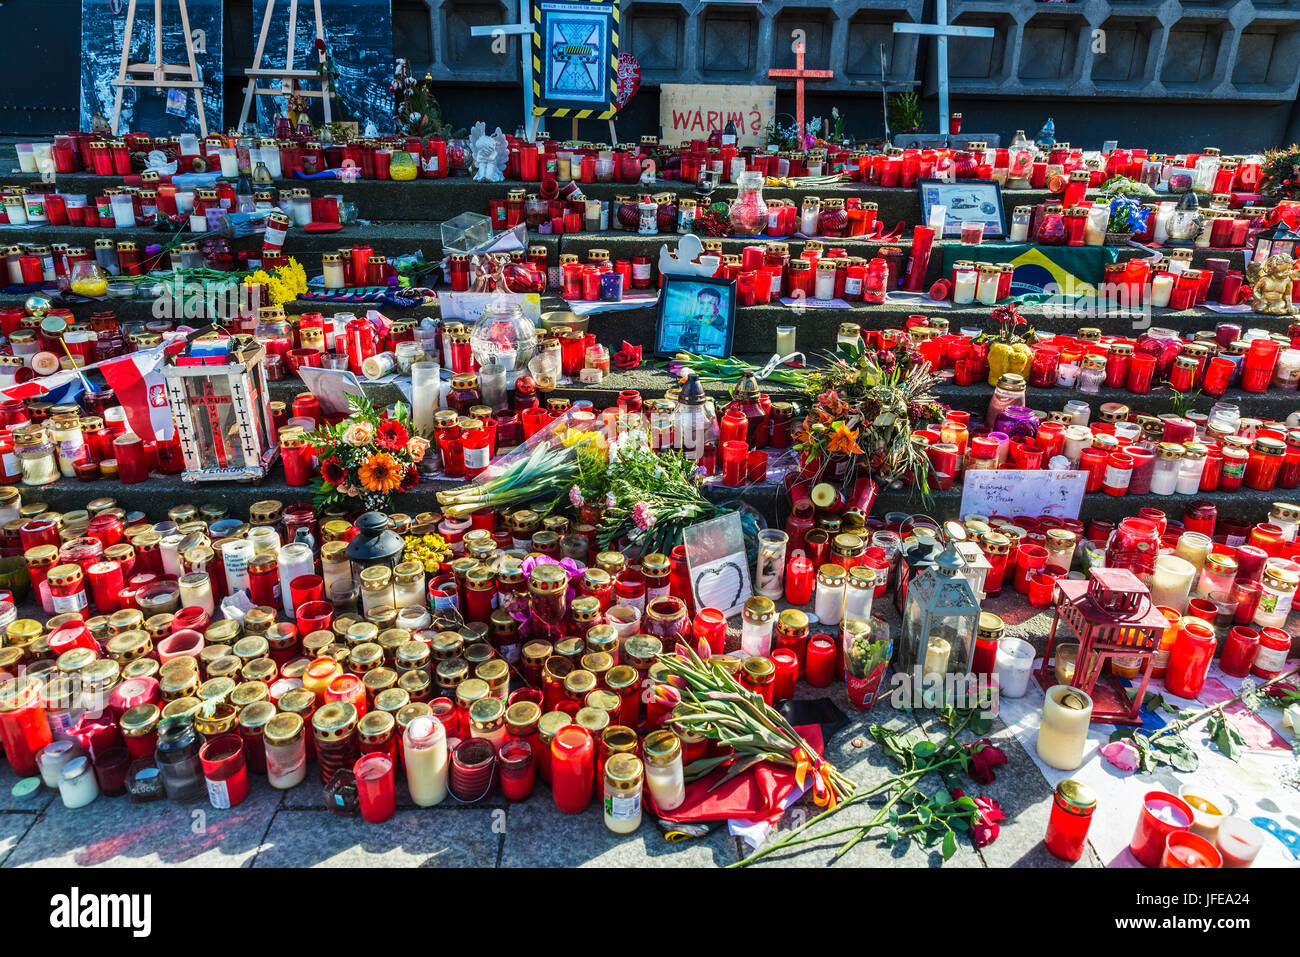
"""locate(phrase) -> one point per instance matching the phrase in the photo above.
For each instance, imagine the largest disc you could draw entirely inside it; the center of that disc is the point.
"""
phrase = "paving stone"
(115, 832)
(13, 828)
(423, 837)
(539, 835)
(31, 802)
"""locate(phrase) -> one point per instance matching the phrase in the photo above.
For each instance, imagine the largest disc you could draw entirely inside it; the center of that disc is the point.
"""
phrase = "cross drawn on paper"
(799, 74)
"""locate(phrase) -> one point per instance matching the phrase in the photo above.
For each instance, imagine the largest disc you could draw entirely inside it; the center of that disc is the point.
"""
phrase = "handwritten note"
(1035, 493)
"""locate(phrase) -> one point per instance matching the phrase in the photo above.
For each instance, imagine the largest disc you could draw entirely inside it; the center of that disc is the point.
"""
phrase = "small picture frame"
(696, 314)
(965, 201)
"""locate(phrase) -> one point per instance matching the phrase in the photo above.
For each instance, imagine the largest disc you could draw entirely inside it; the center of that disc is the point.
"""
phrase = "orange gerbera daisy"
(381, 474)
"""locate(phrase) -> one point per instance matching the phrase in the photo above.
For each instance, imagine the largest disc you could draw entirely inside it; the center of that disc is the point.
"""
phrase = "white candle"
(1239, 841)
(1014, 662)
(663, 769)
(424, 747)
(937, 652)
(963, 291)
(1172, 582)
(1161, 286)
(296, 560)
(77, 784)
(1064, 730)
(235, 557)
(828, 602)
(1208, 809)
(196, 591)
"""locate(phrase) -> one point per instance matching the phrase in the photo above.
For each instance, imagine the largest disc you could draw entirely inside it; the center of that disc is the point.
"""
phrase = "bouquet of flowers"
(367, 456)
(1280, 177)
(546, 461)
(1008, 341)
(644, 496)
(283, 284)
(865, 658)
(415, 109)
(865, 406)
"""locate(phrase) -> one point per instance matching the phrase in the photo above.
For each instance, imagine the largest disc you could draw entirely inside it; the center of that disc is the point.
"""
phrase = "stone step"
(437, 200)
(654, 380)
(755, 328)
(770, 499)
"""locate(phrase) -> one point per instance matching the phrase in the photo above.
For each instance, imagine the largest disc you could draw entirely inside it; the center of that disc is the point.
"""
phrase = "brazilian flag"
(1073, 270)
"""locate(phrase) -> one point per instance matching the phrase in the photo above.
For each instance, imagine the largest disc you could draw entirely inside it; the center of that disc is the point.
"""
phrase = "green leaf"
(924, 815)
(925, 749)
(949, 845)
(942, 797)
(1185, 760)
(891, 836)
(960, 823)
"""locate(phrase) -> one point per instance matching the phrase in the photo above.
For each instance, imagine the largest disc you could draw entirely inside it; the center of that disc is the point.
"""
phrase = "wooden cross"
(210, 400)
(524, 30)
(941, 30)
(799, 74)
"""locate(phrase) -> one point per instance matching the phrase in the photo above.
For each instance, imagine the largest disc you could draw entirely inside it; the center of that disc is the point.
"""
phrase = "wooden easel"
(157, 74)
(289, 77)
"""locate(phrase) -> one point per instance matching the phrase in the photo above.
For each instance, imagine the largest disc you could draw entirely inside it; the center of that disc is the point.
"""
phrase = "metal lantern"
(975, 567)
(1276, 240)
(1116, 622)
(217, 391)
(940, 607)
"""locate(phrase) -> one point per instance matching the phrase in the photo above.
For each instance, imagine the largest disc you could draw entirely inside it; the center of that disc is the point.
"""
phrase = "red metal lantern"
(1114, 618)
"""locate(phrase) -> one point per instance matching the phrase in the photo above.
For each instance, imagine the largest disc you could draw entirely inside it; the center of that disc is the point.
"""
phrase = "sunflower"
(381, 474)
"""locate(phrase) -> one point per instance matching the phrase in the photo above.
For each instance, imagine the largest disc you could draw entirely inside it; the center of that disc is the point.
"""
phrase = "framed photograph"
(965, 201)
(696, 314)
(575, 46)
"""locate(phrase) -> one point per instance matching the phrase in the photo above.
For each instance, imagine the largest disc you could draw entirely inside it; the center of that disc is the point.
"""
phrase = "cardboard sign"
(691, 111)
(1034, 493)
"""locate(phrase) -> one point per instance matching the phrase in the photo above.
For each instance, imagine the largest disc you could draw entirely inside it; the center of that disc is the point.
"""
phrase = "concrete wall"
(1176, 74)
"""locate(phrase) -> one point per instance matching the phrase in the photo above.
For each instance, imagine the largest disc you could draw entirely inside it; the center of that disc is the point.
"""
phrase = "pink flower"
(1121, 754)
(575, 496)
(642, 516)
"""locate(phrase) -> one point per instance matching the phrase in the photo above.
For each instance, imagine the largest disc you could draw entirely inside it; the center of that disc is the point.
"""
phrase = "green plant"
(1280, 176)
(1124, 186)
(904, 112)
(415, 109)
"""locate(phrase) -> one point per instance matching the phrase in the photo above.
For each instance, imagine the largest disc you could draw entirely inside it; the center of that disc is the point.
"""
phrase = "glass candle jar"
(758, 618)
(1067, 826)
(622, 785)
(828, 603)
(662, 752)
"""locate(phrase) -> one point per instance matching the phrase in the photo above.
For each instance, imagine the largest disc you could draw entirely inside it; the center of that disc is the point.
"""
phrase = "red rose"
(320, 44)
(985, 756)
(410, 479)
(984, 826)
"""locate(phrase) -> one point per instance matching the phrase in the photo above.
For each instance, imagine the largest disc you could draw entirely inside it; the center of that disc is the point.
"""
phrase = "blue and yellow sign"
(575, 58)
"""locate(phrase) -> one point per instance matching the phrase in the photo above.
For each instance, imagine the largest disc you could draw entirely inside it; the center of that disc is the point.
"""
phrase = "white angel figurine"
(490, 153)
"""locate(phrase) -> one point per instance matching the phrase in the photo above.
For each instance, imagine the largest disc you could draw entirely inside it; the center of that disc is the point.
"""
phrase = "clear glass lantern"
(939, 618)
(503, 336)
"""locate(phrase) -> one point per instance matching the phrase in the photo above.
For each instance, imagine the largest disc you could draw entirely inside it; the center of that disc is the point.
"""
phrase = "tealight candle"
(1239, 841)
(1063, 733)
(1162, 814)
(1208, 809)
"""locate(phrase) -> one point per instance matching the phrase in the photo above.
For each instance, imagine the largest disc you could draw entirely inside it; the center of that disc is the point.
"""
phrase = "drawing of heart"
(719, 578)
